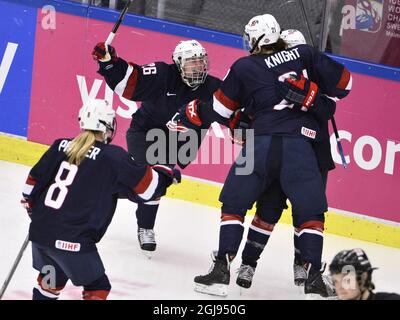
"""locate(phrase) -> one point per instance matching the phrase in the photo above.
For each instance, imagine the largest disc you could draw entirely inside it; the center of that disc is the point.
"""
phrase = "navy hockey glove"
(27, 204)
(173, 176)
(103, 56)
(239, 122)
(299, 91)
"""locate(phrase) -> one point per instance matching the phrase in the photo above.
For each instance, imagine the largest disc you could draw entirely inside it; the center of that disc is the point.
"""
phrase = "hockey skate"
(318, 285)
(245, 276)
(216, 282)
(147, 241)
(299, 273)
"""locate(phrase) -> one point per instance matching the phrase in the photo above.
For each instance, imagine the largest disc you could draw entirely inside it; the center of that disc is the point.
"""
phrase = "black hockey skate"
(216, 282)
(147, 241)
(245, 276)
(319, 284)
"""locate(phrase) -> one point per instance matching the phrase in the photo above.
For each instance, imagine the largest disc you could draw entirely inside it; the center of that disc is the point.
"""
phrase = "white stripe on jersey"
(148, 193)
(350, 84)
(27, 189)
(120, 88)
(221, 109)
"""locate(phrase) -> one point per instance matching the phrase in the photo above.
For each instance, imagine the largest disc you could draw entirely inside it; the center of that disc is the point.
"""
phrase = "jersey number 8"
(61, 184)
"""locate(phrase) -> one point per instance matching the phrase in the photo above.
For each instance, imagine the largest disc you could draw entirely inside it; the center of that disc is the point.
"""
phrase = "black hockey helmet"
(356, 258)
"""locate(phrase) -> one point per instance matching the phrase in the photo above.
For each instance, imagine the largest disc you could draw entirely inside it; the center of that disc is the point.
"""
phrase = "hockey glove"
(173, 176)
(300, 91)
(238, 124)
(190, 116)
(104, 56)
(27, 204)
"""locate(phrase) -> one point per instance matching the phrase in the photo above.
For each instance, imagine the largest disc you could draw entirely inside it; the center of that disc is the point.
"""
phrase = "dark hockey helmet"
(356, 258)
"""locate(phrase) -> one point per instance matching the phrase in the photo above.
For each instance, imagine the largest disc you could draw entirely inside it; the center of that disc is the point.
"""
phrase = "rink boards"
(46, 72)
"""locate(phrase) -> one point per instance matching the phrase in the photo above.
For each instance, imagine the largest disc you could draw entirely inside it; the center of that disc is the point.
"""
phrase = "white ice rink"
(186, 234)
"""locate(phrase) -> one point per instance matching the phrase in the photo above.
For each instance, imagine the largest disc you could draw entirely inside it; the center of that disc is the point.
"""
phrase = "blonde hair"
(79, 146)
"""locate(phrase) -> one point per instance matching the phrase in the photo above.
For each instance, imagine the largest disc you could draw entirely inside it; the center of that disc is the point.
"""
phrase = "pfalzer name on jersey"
(282, 57)
(92, 153)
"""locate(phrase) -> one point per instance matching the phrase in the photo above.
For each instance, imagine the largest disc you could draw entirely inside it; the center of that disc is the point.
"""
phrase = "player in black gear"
(163, 88)
(71, 195)
(351, 272)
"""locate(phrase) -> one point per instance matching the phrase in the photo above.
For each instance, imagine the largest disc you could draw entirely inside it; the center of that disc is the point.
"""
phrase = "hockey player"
(351, 273)
(273, 202)
(71, 195)
(163, 88)
(284, 130)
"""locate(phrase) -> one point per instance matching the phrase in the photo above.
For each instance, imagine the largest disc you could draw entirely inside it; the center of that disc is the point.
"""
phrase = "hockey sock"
(297, 254)
(230, 235)
(257, 237)
(146, 214)
(310, 242)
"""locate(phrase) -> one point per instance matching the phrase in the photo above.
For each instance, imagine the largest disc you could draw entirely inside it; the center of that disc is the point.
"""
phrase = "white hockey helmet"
(293, 37)
(261, 30)
(98, 115)
(192, 61)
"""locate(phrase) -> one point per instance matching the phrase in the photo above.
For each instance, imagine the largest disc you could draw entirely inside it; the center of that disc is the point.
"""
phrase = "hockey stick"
(339, 144)
(344, 163)
(111, 36)
(14, 267)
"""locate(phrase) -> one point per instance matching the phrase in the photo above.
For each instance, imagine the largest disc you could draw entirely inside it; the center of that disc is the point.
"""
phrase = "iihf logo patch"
(369, 15)
(308, 132)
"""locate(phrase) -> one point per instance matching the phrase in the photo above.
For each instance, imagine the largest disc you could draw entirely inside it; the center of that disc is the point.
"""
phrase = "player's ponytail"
(79, 147)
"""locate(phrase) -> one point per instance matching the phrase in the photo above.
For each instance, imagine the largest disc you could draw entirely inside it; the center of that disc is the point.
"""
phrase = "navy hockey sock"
(297, 254)
(230, 235)
(257, 238)
(310, 242)
(146, 214)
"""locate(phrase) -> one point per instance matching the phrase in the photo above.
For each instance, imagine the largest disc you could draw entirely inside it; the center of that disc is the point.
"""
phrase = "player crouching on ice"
(71, 195)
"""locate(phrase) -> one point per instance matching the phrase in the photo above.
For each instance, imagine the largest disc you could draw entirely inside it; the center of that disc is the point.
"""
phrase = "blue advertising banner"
(17, 38)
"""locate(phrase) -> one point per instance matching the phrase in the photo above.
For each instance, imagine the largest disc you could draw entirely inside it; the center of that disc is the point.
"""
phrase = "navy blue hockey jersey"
(73, 205)
(252, 82)
(158, 85)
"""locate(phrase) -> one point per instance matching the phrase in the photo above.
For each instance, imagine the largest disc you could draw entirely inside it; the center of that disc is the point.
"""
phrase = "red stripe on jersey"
(30, 180)
(227, 102)
(315, 225)
(131, 83)
(230, 217)
(257, 222)
(344, 80)
(143, 184)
